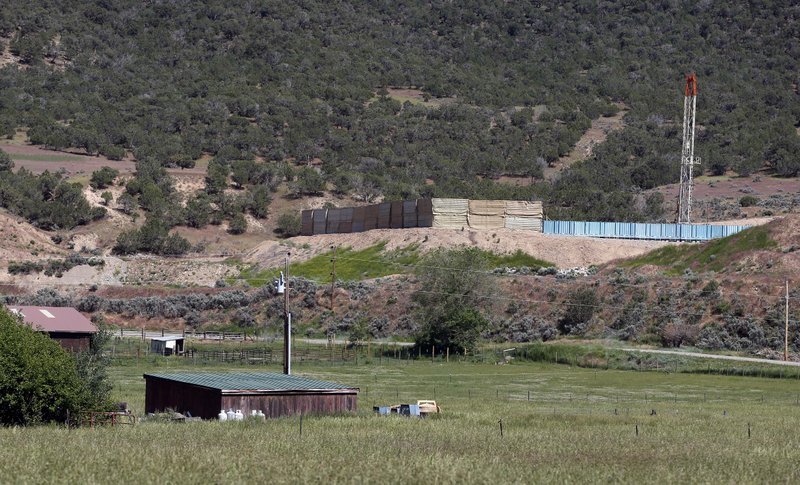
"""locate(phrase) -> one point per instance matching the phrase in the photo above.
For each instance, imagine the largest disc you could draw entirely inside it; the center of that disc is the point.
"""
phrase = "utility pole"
(786, 328)
(333, 279)
(287, 323)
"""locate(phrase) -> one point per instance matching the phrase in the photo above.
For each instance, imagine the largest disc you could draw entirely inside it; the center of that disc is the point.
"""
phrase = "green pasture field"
(579, 425)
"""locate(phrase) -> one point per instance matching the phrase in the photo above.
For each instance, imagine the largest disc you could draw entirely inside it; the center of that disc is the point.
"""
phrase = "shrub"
(6, 164)
(113, 152)
(244, 318)
(309, 182)
(450, 298)
(676, 334)
(153, 237)
(748, 201)
(103, 178)
(359, 331)
(289, 224)
(580, 308)
(198, 211)
(39, 382)
(127, 203)
(526, 329)
(259, 202)
(91, 365)
(238, 224)
(711, 290)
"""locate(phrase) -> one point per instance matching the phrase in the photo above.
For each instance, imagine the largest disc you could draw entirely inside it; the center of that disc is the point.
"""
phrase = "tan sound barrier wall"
(450, 213)
(521, 214)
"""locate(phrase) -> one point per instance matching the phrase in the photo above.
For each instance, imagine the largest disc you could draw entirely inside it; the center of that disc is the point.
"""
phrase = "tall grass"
(578, 426)
(715, 255)
(373, 262)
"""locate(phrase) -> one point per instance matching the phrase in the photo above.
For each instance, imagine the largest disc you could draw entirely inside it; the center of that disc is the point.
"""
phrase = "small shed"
(65, 324)
(204, 394)
(167, 345)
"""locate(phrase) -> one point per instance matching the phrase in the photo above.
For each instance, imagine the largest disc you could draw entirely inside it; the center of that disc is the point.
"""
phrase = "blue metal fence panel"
(632, 230)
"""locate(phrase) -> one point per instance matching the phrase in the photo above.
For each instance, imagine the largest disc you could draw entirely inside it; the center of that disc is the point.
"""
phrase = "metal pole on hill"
(333, 279)
(287, 323)
(786, 328)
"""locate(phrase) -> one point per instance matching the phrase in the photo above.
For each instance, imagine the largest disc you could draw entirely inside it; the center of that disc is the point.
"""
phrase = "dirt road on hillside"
(715, 356)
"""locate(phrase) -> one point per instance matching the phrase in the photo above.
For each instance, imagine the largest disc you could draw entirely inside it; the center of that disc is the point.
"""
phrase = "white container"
(253, 413)
(239, 415)
(222, 416)
(261, 415)
(231, 415)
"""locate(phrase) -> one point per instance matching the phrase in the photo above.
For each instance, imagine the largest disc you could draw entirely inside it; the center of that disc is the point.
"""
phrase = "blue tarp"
(632, 230)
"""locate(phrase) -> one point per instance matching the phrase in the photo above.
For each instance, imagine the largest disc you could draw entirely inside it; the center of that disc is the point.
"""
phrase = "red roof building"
(65, 324)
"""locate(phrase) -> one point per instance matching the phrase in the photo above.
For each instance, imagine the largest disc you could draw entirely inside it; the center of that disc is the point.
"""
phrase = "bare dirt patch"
(71, 163)
(595, 135)
(188, 183)
(415, 96)
(718, 197)
(183, 271)
(515, 181)
(75, 161)
(735, 187)
(6, 57)
(563, 251)
(21, 241)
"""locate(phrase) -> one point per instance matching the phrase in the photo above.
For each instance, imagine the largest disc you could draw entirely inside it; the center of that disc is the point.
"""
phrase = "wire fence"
(201, 348)
(270, 352)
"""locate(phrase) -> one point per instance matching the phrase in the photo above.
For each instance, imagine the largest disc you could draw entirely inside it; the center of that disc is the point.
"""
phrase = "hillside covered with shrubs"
(721, 295)
(507, 88)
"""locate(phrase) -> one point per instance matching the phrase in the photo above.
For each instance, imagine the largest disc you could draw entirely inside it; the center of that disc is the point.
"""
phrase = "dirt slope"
(21, 241)
(595, 135)
(563, 251)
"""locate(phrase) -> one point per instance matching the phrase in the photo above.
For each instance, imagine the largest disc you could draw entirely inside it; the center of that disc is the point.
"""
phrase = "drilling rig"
(687, 151)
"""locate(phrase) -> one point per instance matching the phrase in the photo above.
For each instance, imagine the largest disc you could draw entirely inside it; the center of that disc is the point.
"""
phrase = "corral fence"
(631, 230)
(268, 351)
(188, 334)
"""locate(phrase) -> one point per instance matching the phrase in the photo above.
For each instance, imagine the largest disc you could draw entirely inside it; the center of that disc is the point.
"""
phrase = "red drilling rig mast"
(687, 152)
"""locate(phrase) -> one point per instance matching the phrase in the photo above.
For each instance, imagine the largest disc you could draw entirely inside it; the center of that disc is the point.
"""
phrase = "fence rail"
(149, 334)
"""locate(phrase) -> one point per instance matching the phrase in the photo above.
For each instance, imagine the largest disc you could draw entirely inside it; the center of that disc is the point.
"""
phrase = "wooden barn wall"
(275, 406)
(74, 342)
(161, 395)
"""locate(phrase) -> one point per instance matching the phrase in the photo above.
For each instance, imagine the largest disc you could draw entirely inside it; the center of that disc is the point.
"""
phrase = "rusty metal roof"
(54, 319)
(252, 382)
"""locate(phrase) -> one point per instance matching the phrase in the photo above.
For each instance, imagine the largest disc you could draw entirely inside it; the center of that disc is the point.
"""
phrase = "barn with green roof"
(204, 394)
